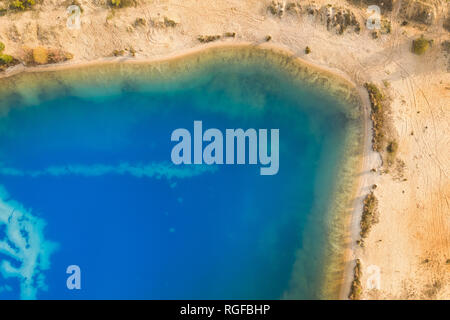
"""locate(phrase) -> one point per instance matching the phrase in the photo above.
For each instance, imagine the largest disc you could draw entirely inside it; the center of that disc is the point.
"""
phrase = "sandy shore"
(411, 242)
(366, 179)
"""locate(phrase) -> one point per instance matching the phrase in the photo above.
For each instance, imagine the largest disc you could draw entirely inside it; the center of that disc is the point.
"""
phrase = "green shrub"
(229, 34)
(118, 53)
(392, 147)
(421, 45)
(122, 3)
(22, 4)
(17, 5)
(386, 26)
(5, 59)
(373, 90)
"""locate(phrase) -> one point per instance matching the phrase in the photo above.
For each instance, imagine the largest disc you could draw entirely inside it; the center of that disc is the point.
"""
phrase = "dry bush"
(40, 55)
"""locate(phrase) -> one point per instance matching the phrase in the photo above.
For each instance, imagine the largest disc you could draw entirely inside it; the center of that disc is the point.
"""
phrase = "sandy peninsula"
(409, 241)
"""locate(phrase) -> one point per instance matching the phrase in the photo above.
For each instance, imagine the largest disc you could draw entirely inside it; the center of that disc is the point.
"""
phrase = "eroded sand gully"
(411, 242)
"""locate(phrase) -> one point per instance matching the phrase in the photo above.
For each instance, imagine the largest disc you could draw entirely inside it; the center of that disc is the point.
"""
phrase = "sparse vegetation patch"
(356, 288)
(21, 4)
(140, 22)
(209, 38)
(122, 3)
(446, 24)
(42, 55)
(377, 116)
(369, 215)
(229, 34)
(276, 8)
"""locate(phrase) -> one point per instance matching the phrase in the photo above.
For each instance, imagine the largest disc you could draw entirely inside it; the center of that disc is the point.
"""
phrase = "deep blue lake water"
(87, 180)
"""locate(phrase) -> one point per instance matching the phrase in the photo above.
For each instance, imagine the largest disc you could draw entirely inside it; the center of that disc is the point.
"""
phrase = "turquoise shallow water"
(87, 180)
